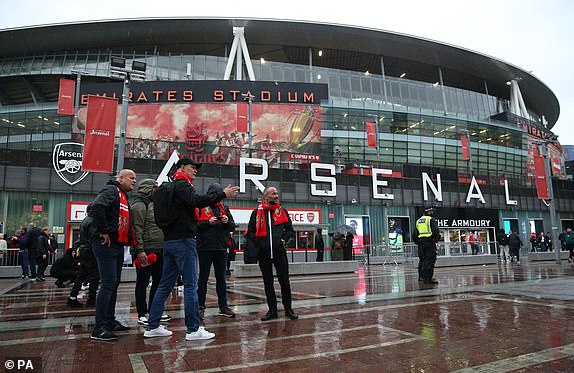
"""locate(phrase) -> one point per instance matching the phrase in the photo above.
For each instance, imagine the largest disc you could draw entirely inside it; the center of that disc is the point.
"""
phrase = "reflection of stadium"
(321, 94)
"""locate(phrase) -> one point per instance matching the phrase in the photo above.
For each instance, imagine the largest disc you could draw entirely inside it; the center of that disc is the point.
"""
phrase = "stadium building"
(355, 126)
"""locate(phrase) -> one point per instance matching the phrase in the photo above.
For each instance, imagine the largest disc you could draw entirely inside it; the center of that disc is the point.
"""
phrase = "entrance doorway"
(456, 241)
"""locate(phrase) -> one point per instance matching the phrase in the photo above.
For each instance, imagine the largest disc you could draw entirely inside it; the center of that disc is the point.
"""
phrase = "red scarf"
(180, 175)
(124, 218)
(279, 217)
(206, 213)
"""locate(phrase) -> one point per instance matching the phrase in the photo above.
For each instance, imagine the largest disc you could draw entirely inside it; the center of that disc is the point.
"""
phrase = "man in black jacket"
(32, 245)
(43, 252)
(270, 227)
(113, 231)
(180, 251)
(88, 265)
(213, 227)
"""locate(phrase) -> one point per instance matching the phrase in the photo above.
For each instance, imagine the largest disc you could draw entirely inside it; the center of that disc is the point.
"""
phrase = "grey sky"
(536, 36)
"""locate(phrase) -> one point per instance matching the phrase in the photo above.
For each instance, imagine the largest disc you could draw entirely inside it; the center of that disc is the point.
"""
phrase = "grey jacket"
(149, 237)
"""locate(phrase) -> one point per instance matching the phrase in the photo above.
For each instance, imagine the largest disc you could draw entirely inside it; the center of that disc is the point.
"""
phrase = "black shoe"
(420, 279)
(270, 315)
(117, 327)
(60, 284)
(40, 278)
(74, 303)
(431, 281)
(103, 335)
(291, 315)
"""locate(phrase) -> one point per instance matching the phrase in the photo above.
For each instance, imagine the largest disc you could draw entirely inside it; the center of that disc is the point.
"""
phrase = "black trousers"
(42, 265)
(88, 272)
(33, 259)
(427, 259)
(155, 271)
(281, 265)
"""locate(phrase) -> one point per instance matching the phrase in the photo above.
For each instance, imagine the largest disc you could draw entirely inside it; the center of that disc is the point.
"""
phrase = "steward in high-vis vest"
(425, 235)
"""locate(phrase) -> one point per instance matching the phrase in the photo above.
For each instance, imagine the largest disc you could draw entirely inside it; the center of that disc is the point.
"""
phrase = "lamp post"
(79, 74)
(543, 148)
(119, 71)
(249, 98)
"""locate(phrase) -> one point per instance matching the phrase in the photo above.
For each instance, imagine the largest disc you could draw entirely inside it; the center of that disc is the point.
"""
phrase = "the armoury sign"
(67, 161)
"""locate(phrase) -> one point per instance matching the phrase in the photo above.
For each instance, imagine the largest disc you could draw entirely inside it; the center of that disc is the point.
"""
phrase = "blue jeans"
(179, 257)
(219, 261)
(110, 261)
(24, 262)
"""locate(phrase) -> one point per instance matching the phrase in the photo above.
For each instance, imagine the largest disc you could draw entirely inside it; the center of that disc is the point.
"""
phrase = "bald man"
(269, 229)
(114, 230)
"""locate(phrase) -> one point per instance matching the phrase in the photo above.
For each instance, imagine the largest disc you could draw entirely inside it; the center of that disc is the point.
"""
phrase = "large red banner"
(539, 171)
(371, 135)
(66, 97)
(100, 134)
(464, 143)
(242, 117)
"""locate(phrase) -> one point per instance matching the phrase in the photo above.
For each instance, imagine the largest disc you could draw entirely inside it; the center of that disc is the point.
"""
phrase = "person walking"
(474, 241)
(114, 230)
(515, 244)
(43, 252)
(270, 228)
(31, 243)
(180, 248)
(319, 244)
(425, 235)
(88, 271)
(149, 240)
(502, 239)
(569, 243)
(214, 223)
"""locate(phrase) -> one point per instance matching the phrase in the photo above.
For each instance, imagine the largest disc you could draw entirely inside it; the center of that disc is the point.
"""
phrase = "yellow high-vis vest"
(423, 226)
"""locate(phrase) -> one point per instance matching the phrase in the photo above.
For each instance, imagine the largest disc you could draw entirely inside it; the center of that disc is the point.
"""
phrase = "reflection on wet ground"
(498, 318)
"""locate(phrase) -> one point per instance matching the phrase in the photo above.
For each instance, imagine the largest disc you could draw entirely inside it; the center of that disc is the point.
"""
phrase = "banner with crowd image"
(208, 132)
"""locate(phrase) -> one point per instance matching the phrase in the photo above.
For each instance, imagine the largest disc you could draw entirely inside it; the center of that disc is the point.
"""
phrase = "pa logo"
(67, 162)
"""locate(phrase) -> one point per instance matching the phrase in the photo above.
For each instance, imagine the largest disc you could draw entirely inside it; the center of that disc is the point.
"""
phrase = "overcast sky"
(536, 36)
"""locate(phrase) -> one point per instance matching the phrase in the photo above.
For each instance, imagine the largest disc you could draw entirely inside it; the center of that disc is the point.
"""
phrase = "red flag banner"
(100, 134)
(540, 173)
(66, 97)
(464, 143)
(242, 117)
(371, 135)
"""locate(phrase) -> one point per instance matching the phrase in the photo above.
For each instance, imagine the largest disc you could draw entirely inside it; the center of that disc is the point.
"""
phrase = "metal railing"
(406, 252)
(11, 257)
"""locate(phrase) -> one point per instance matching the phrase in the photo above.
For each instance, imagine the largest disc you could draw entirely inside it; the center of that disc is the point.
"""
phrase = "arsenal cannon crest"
(67, 161)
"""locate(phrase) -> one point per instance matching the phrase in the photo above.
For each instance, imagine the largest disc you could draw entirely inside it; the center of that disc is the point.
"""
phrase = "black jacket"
(514, 241)
(105, 212)
(43, 245)
(280, 234)
(186, 200)
(214, 237)
(32, 238)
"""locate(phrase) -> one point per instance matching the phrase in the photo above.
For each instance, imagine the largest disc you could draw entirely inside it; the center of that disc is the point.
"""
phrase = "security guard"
(425, 235)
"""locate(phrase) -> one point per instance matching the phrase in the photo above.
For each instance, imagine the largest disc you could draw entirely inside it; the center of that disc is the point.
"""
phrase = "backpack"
(164, 209)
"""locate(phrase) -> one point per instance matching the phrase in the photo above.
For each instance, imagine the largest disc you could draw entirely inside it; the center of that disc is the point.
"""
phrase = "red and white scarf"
(124, 218)
(279, 216)
(206, 213)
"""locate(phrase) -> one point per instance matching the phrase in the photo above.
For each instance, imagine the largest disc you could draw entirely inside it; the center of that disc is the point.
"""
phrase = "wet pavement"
(498, 318)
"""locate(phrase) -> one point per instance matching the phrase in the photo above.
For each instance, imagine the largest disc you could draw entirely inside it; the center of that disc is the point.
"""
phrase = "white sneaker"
(165, 318)
(200, 334)
(160, 331)
(143, 321)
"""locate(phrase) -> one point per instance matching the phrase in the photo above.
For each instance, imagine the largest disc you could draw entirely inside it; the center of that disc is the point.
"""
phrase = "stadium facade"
(354, 125)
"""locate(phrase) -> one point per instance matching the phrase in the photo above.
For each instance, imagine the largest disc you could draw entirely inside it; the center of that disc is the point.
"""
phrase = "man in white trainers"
(180, 250)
